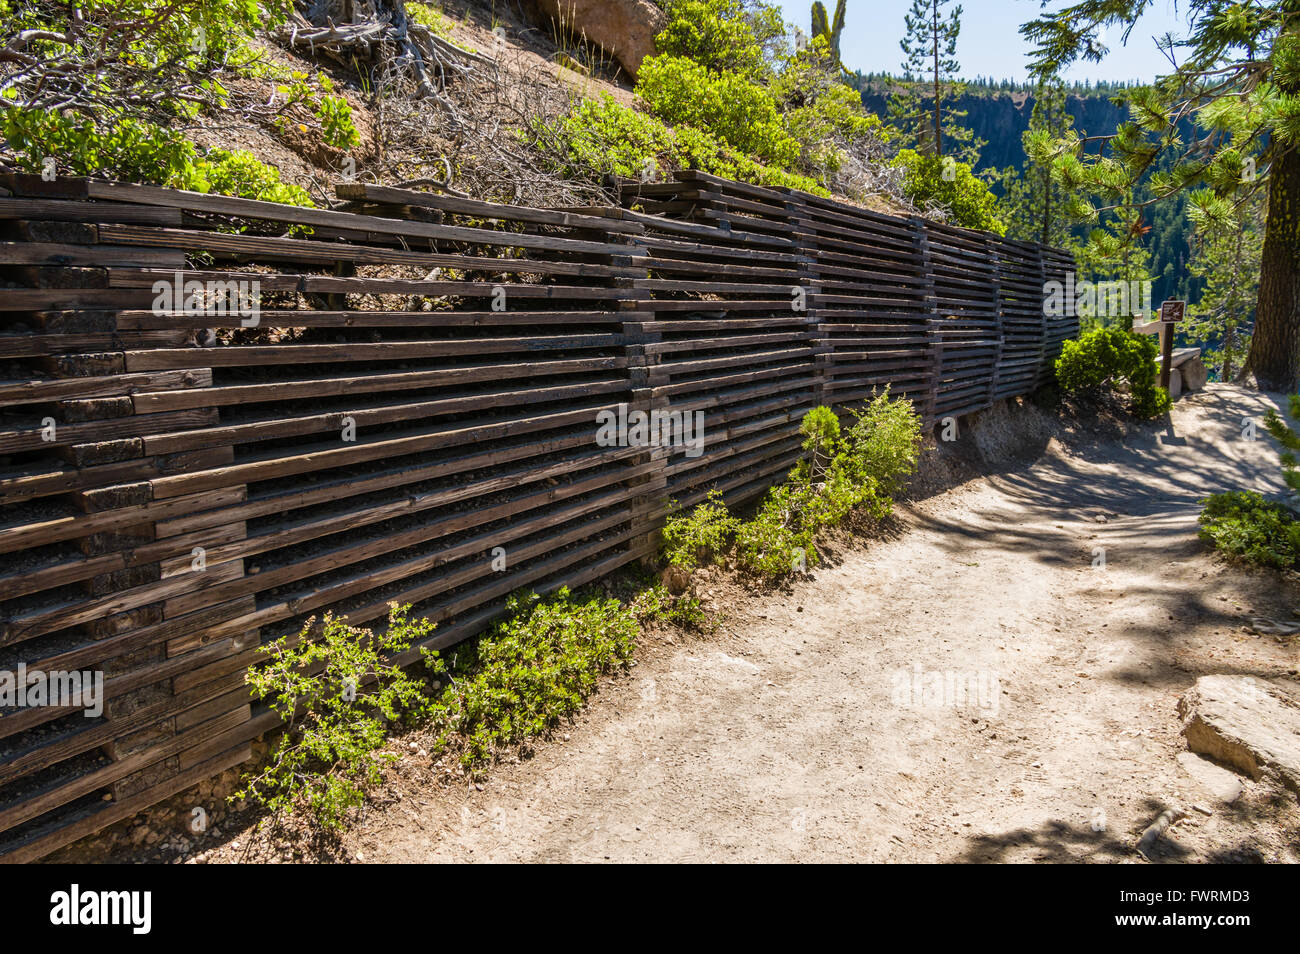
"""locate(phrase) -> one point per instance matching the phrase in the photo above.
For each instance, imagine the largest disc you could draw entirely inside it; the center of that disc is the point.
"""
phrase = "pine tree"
(1229, 237)
(1236, 76)
(1038, 204)
(922, 110)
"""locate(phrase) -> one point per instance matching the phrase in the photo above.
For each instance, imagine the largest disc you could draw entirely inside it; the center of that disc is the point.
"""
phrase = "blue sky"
(990, 44)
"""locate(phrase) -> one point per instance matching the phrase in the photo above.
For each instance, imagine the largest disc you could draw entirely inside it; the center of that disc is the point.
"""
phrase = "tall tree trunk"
(1047, 204)
(938, 122)
(1275, 346)
(1233, 307)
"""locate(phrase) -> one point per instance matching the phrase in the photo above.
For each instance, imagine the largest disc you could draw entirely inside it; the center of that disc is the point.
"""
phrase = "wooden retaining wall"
(412, 419)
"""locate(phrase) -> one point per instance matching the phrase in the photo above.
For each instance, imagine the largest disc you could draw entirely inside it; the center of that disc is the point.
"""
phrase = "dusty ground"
(786, 736)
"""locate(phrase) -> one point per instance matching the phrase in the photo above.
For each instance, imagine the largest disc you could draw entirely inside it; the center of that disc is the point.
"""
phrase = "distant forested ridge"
(998, 112)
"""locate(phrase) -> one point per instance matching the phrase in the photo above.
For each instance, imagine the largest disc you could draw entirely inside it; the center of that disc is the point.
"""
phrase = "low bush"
(884, 442)
(656, 603)
(701, 536)
(841, 474)
(1243, 524)
(139, 152)
(930, 180)
(1105, 356)
(320, 104)
(336, 694)
(603, 137)
(735, 110)
(527, 673)
(723, 35)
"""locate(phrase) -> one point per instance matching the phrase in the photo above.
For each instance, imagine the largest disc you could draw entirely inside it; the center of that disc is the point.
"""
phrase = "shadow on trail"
(1057, 842)
(1053, 842)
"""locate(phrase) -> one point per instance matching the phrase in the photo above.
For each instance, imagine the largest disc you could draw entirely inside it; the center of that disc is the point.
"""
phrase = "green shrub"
(884, 442)
(729, 106)
(778, 541)
(330, 110)
(1289, 440)
(726, 95)
(140, 152)
(781, 538)
(656, 603)
(532, 670)
(842, 475)
(142, 70)
(821, 431)
(1244, 524)
(335, 692)
(929, 179)
(602, 136)
(722, 35)
(701, 536)
(821, 124)
(1103, 356)
(430, 17)
(240, 173)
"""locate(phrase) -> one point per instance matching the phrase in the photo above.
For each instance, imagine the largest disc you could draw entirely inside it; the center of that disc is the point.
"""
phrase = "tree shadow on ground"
(1057, 842)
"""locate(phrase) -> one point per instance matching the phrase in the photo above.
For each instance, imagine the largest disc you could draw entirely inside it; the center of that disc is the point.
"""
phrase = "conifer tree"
(924, 110)
(1234, 80)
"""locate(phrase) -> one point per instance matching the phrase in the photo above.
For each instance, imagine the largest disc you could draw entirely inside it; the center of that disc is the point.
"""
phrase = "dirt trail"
(785, 737)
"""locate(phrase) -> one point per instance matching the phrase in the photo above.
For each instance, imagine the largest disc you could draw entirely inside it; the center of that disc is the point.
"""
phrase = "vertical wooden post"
(1166, 352)
(804, 232)
(1041, 371)
(921, 243)
(999, 332)
(635, 308)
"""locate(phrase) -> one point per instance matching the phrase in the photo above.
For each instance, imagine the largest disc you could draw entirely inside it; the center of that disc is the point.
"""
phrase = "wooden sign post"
(1171, 312)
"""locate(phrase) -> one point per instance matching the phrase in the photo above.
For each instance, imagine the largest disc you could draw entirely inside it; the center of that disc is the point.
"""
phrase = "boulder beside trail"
(1194, 373)
(1246, 723)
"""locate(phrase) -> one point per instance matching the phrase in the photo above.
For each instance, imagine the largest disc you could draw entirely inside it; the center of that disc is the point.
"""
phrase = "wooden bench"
(1187, 369)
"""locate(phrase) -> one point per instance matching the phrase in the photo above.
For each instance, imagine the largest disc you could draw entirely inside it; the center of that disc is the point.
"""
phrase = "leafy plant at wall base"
(656, 603)
(779, 539)
(884, 441)
(703, 535)
(1104, 356)
(843, 475)
(528, 673)
(335, 692)
(821, 431)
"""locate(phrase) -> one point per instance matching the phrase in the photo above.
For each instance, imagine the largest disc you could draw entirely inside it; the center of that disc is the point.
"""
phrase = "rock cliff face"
(625, 29)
